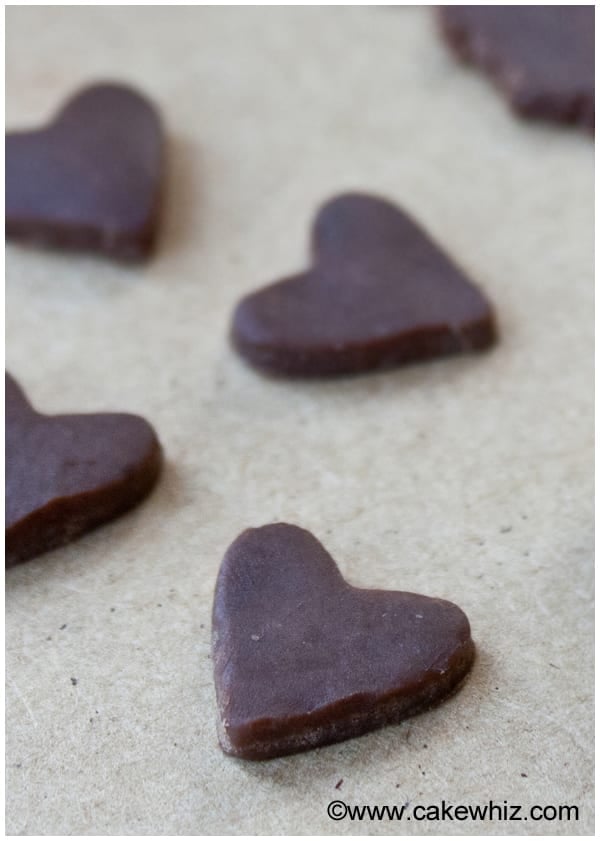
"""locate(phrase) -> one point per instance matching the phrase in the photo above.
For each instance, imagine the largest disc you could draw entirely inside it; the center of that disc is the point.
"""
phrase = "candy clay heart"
(542, 57)
(90, 180)
(66, 474)
(379, 294)
(302, 658)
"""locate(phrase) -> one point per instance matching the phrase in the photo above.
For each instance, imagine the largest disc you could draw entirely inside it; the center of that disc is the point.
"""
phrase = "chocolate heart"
(302, 659)
(66, 474)
(380, 294)
(542, 57)
(91, 180)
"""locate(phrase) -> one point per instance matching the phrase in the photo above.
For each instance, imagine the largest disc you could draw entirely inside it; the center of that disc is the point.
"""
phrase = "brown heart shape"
(66, 474)
(302, 659)
(542, 57)
(380, 294)
(91, 180)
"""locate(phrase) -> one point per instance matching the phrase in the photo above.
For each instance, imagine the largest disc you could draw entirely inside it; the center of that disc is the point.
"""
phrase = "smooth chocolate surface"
(380, 293)
(542, 57)
(90, 180)
(302, 658)
(66, 474)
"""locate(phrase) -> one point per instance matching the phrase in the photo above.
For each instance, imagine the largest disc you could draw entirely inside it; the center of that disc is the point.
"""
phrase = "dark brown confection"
(303, 659)
(542, 57)
(380, 293)
(66, 474)
(91, 180)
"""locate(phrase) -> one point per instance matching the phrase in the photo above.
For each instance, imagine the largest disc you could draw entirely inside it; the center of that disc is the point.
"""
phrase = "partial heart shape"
(380, 294)
(302, 658)
(542, 57)
(92, 179)
(66, 474)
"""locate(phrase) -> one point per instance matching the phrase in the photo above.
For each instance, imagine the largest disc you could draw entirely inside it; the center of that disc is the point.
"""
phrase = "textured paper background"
(468, 479)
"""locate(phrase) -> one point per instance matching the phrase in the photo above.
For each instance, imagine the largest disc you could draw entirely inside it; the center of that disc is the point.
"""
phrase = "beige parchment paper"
(468, 479)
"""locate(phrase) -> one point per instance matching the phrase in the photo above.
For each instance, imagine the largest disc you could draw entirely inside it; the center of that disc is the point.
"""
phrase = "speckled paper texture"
(468, 478)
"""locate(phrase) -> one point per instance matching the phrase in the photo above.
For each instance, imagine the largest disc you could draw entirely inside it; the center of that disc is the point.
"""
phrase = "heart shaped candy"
(380, 294)
(542, 57)
(302, 658)
(91, 180)
(66, 474)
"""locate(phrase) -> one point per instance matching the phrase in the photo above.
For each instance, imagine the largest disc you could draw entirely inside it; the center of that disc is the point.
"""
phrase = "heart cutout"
(380, 294)
(302, 658)
(541, 57)
(90, 180)
(66, 474)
